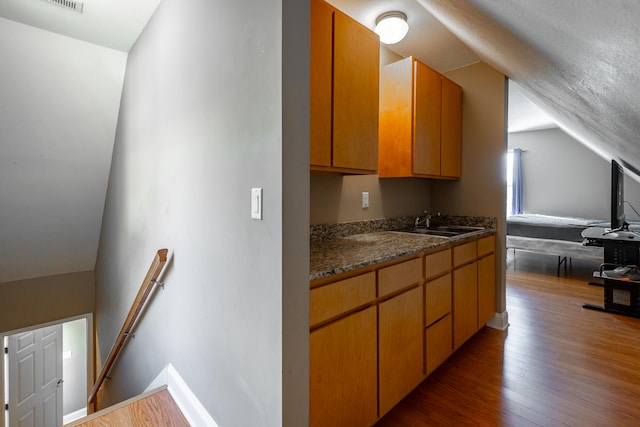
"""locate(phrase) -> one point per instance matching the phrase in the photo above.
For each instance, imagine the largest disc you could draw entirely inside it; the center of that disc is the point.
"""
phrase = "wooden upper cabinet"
(396, 130)
(321, 82)
(420, 126)
(344, 82)
(426, 121)
(451, 130)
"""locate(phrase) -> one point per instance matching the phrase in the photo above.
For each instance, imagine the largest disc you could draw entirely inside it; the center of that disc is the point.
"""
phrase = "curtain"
(516, 189)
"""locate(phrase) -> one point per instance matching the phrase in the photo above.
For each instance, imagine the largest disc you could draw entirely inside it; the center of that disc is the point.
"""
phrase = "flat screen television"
(617, 196)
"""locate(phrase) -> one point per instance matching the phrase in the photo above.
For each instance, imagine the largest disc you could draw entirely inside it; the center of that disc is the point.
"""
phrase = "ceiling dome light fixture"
(391, 27)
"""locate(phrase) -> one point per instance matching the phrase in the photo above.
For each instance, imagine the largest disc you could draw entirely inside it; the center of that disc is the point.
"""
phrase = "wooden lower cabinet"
(437, 301)
(343, 372)
(376, 335)
(486, 289)
(400, 347)
(465, 303)
(437, 310)
(438, 346)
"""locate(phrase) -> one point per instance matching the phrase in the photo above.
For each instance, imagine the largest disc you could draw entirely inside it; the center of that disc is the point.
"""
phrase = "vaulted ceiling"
(575, 59)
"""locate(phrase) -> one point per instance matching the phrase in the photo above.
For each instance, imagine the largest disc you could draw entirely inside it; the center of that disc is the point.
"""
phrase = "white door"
(35, 378)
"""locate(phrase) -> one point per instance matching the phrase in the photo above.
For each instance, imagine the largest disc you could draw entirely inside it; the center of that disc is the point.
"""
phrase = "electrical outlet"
(365, 199)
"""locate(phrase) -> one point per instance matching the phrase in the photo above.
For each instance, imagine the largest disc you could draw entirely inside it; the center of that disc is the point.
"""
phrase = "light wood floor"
(156, 408)
(557, 365)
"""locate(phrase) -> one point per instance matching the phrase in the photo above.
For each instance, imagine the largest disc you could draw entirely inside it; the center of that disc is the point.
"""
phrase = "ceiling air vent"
(69, 4)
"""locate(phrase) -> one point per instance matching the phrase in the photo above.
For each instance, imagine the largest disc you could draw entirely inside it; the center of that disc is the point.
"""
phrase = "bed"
(550, 227)
(552, 235)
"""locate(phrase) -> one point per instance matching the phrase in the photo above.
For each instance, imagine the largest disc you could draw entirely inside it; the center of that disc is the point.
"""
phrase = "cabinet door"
(438, 343)
(486, 289)
(451, 136)
(356, 63)
(400, 347)
(320, 82)
(343, 376)
(465, 303)
(427, 121)
(396, 124)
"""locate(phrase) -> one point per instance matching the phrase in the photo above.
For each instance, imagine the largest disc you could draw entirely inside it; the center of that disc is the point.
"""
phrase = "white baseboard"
(74, 416)
(499, 321)
(188, 403)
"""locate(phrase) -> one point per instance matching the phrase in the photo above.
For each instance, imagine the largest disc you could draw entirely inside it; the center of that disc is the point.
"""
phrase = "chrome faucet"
(426, 220)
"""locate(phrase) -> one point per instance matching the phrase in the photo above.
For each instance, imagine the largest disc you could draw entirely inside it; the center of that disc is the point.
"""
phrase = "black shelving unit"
(620, 296)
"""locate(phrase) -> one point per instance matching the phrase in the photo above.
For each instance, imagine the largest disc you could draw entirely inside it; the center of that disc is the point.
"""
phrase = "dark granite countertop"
(338, 255)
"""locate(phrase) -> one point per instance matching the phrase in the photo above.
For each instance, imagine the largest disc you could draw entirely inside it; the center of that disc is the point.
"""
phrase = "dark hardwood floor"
(558, 364)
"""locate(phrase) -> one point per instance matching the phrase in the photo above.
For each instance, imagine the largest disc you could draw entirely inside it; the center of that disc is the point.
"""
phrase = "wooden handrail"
(138, 304)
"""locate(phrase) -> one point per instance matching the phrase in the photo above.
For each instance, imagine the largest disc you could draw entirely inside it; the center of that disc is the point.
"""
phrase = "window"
(515, 186)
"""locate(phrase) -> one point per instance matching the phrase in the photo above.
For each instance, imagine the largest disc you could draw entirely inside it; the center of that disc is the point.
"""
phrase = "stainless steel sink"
(446, 231)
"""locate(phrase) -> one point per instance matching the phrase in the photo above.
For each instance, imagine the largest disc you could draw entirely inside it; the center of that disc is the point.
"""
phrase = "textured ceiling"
(576, 59)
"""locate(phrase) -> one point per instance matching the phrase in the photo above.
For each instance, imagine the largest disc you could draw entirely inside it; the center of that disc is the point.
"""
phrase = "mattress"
(550, 227)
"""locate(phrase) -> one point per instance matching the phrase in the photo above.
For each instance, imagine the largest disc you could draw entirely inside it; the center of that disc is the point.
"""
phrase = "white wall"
(563, 177)
(74, 365)
(215, 102)
(59, 100)
(481, 189)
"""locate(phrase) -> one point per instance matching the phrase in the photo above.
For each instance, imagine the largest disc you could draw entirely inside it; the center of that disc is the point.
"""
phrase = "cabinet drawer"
(331, 300)
(398, 276)
(486, 245)
(437, 263)
(438, 343)
(464, 253)
(437, 300)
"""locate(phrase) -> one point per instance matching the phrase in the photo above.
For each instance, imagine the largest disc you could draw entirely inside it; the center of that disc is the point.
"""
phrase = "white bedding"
(556, 221)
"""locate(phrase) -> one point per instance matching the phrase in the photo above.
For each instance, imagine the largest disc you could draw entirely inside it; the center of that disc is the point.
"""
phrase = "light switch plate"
(365, 199)
(256, 203)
